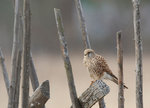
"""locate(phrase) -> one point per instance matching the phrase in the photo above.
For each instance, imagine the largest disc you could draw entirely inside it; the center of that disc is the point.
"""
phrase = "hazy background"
(103, 18)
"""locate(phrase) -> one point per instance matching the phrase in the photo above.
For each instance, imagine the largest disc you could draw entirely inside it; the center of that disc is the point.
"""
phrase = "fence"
(21, 53)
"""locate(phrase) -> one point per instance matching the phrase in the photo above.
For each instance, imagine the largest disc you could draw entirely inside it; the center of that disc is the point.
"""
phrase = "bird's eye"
(88, 53)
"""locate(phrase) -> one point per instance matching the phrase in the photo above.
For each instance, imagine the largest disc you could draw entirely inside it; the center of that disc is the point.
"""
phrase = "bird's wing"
(107, 69)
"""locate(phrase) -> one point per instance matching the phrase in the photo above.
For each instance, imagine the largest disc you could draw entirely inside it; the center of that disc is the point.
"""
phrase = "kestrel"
(98, 67)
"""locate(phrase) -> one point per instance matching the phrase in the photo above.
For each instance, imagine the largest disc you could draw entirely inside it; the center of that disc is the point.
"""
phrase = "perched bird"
(98, 67)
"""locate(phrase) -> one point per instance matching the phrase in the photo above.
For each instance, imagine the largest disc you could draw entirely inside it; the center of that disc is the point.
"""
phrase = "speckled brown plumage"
(98, 67)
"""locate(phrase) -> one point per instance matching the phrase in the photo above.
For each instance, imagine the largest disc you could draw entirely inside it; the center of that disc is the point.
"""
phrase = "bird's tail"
(115, 80)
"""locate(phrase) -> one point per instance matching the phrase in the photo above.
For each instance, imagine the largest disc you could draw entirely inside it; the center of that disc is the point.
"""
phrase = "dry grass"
(51, 68)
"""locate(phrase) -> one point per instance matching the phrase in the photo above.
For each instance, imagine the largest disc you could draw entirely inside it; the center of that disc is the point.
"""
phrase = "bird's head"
(89, 53)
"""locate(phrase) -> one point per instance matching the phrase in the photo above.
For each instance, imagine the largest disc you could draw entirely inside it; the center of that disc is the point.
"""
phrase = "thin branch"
(17, 82)
(4, 70)
(82, 24)
(40, 96)
(138, 53)
(26, 53)
(63, 44)
(33, 75)
(120, 71)
(16, 88)
(17, 22)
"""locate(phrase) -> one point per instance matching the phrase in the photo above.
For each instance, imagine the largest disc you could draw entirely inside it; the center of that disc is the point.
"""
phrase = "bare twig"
(26, 53)
(93, 94)
(82, 24)
(120, 71)
(67, 63)
(138, 53)
(40, 96)
(17, 22)
(17, 82)
(4, 70)
(33, 75)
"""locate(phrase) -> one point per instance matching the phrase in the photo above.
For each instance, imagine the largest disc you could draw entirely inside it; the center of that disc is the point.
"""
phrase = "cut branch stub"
(93, 94)
(40, 96)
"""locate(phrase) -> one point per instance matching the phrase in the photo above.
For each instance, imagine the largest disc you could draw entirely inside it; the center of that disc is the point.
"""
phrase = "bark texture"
(15, 50)
(138, 53)
(26, 53)
(82, 24)
(93, 94)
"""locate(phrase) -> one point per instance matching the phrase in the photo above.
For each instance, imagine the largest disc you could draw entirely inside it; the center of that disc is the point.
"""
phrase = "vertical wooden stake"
(138, 53)
(17, 77)
(26, 53)
(120, 71)
(63, 44)
(15, 49)
(82, 24)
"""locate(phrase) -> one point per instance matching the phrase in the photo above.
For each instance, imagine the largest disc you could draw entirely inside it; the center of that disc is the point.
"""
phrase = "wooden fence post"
(26, 53)
(93, 94)
(15, 49)
(63, 44)
(138, 53)
(17, 81)
(85, 36)
(40, 96)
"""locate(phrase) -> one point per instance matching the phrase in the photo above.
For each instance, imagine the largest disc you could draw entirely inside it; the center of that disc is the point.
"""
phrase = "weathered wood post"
(18, 77)
(63, 44)
(26, 53)
(120, 71)
(15, 49)
(40, 96)
(138, 53)
(85, 36)
(93, 94)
